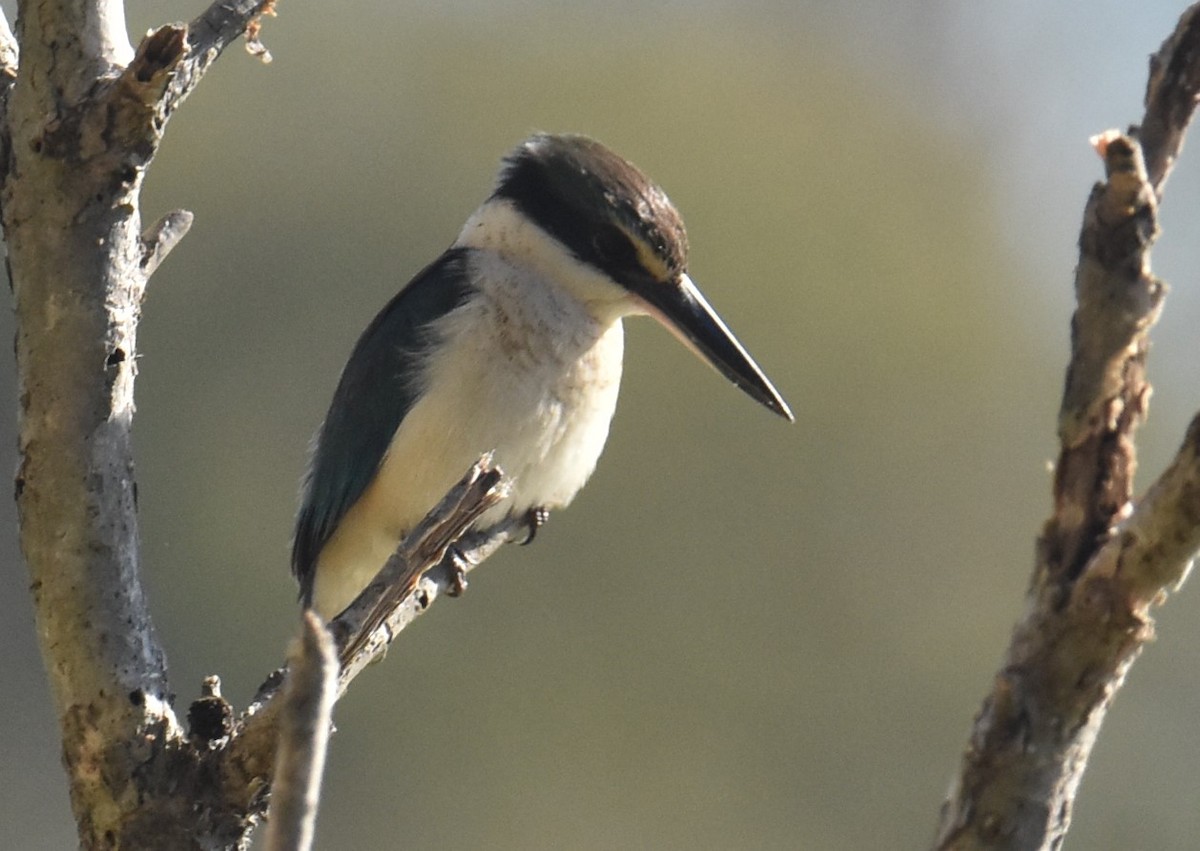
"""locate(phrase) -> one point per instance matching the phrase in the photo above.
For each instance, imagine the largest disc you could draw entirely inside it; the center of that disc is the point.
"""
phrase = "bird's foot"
(535, 518)
(459, 565)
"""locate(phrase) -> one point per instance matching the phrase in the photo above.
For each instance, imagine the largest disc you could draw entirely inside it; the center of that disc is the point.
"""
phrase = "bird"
(510, 342)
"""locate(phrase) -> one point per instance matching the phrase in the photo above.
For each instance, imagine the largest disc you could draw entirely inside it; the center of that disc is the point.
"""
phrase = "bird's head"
(626, 245)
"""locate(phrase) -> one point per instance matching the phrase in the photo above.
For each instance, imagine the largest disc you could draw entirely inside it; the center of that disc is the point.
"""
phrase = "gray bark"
(83, 117)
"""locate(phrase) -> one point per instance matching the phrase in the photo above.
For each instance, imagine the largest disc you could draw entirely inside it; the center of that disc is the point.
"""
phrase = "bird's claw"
(535, 518)
(458, 573)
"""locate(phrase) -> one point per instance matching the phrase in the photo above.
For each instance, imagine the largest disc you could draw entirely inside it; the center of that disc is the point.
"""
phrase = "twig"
(1171, 94)
(208, 35)
(1152, 552)
(304, 722)
(1106, 392)
(162, 236)
(171, 60)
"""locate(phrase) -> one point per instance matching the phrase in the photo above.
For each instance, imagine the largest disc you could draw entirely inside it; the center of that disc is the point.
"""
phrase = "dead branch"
(305, 721)
(1101, 560)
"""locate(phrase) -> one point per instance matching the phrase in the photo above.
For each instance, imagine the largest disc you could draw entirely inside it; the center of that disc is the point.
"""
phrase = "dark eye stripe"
(613, 248)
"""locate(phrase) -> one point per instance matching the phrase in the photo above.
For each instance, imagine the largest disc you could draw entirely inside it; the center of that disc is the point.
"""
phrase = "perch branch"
(424, 566)
(1101, 561)
(366, 627)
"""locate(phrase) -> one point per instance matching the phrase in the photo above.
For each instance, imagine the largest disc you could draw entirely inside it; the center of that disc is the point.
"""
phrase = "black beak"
(683, 310)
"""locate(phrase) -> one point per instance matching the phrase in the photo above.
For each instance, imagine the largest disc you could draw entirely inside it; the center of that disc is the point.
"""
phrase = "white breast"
(524, 369)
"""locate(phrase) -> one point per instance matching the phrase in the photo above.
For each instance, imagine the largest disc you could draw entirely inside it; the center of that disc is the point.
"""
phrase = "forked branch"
(1102, 560)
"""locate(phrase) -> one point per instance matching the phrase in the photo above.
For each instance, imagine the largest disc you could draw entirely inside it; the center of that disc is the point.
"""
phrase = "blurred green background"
(742, 635)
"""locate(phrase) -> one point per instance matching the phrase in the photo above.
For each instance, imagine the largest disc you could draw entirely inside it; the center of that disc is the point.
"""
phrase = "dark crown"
(600, 206)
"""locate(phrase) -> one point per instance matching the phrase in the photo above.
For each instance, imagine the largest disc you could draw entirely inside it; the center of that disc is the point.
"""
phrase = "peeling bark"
(1102, 560)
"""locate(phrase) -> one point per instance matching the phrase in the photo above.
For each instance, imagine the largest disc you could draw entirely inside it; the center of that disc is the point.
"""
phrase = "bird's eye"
(613, 248)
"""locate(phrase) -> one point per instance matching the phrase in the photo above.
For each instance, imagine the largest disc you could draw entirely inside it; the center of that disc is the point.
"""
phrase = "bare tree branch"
(365, 622)
(1104, 401)
(208, 35)
(1101, 562)
(395, 608)
(76, 340)
(1151, 553)
(1171, 94)
(305, 719)
(81, 122)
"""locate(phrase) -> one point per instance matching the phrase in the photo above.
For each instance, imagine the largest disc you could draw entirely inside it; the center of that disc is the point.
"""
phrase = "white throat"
(498, 226)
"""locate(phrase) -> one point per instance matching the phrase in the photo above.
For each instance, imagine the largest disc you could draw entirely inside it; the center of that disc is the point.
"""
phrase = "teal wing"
(377, 389)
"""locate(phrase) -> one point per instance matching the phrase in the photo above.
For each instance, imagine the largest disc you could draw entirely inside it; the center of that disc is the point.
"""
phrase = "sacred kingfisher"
(510, 342)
